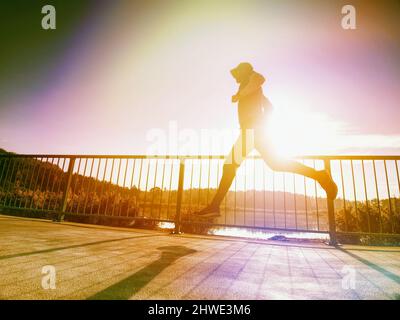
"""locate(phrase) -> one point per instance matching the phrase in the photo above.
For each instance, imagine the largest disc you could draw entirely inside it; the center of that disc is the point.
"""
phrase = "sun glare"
(299, 132)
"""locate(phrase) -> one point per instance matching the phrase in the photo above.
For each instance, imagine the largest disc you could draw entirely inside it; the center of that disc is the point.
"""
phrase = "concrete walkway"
(94, 262)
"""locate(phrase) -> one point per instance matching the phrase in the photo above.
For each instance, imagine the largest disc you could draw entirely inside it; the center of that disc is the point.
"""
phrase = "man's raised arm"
(255, 82)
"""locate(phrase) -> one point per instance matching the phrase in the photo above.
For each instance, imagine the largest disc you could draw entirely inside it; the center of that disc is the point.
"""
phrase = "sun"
(295, 132)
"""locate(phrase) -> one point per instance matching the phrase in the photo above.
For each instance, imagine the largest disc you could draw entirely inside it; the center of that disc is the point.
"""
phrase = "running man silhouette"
(253, 108)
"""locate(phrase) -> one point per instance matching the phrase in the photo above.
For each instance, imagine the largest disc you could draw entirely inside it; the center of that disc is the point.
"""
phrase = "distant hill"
(3, 151)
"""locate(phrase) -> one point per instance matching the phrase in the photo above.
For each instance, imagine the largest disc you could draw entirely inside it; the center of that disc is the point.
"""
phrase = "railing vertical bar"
(208, 179)
(140, 174)
(21, 186)
(14, 193)
(74, 189)
(109, 186)
(102, 187)
(43, 178)
(8, 191)
(190, 189)
(145, 191)
(53, 194)
(397, 174)
(389, 198)
(35, 183)
(169, 190)
(48, 182)
(133, 173)
(60, 183)
(273, 198)
(294, 199)
(162, 190)
(179, 196)
(264, 194)
(139, 186)
(226, 198)
(154, 189)
(117, 192)
(3, 167)
(4, 182)
(44, 172)
(53, 185)
(123, 188)
(305, 200)
(3, 162)
(366, 196)
(245, 193)
(354, 191)
(7, 179)
(377, 196)
(254, 192)
(227, 194)
(38, 184)
(234, 202)
(131, 186)
(64, 199)
(284, 198)
(398, 181)
(82, 188)
(344, 197)
(11, 185)
(95, 183)
(316, 199)
(29, 166)
(199, 191)
(89, 183)
(331, 210)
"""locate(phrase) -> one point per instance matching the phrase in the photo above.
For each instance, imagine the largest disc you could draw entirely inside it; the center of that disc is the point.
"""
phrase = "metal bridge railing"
(171, 188)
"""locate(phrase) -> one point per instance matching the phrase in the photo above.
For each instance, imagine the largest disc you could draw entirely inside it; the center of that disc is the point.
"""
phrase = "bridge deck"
(115, 263)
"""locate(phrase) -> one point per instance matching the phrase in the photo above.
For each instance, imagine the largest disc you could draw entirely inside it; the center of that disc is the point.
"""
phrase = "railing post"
(331, 211)
(66, 189)
(179, 197)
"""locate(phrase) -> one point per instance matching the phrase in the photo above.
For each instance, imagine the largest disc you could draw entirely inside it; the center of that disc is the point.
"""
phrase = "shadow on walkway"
(127, 287)
(74, 246)
(392, 276)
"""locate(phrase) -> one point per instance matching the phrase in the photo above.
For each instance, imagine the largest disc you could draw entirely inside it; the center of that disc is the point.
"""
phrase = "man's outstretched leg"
(321, 176)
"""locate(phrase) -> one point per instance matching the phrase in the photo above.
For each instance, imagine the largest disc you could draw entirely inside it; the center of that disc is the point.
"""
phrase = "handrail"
(142, 156)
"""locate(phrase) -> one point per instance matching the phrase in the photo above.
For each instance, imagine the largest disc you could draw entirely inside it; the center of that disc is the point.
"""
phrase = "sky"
(128, 77)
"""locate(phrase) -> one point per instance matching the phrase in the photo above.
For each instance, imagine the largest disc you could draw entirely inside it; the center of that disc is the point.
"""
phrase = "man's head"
(242, 72)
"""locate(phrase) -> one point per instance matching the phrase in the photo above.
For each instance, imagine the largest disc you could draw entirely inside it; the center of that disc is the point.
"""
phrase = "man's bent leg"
(242, 147)
(228, 174)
